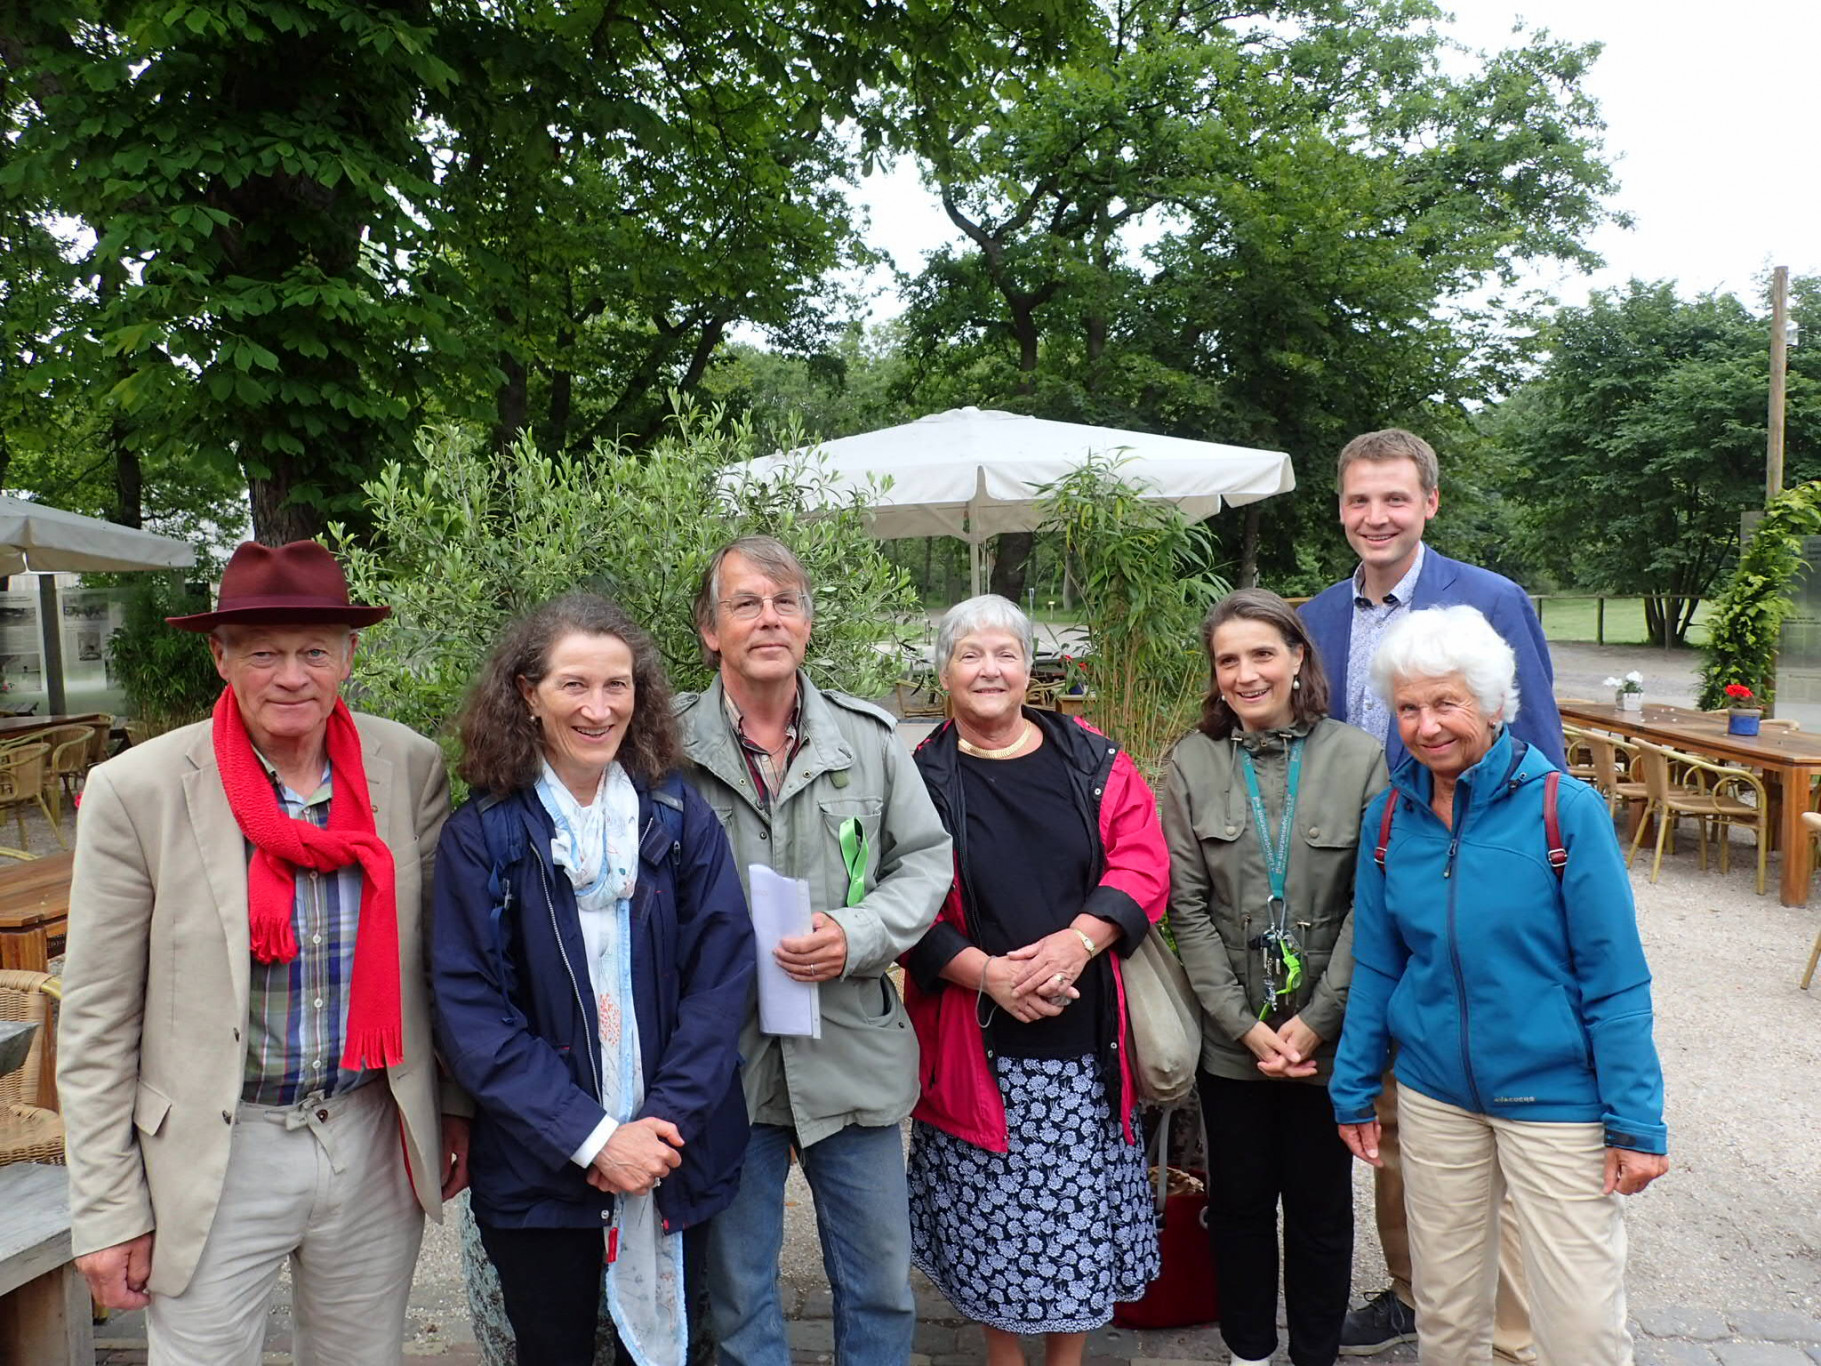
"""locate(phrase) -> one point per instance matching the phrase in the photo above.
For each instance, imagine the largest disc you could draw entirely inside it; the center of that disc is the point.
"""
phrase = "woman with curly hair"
(592, 961)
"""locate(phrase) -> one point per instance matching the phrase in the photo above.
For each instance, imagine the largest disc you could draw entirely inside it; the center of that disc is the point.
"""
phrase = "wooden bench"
(44, 1301)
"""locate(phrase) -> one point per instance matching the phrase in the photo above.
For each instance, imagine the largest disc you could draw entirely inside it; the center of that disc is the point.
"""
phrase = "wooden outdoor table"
(1793, 758)
(44, 1301)
(13, 727)
(34, 910)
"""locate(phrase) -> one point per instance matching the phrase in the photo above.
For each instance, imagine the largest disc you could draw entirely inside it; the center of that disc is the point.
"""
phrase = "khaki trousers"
(1511, 1339)
(323, 1185)
(1462, 1171)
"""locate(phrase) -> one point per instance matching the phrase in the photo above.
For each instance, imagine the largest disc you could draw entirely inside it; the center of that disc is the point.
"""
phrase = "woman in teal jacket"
(1511, 983)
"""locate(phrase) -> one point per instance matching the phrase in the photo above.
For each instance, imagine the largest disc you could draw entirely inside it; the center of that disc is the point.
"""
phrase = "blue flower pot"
(1742, 722)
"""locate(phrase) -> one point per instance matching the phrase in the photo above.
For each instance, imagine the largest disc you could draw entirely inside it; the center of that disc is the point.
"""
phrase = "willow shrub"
(1145, 585)
(466, 539)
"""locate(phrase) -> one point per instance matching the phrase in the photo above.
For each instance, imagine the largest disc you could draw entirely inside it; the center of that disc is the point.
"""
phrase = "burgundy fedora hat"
(293, 584)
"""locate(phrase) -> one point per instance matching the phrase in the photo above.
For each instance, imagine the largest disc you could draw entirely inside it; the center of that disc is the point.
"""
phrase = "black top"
(1030, 863)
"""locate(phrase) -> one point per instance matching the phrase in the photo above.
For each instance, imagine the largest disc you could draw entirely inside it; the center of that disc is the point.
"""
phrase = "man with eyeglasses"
(815, 784)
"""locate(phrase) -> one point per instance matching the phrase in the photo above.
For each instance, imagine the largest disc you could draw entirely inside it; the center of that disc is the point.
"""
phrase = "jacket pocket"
(150, 1106)
(836, 812)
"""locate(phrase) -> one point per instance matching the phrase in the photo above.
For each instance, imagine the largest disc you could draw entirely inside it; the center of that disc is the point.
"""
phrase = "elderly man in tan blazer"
(246, 1062)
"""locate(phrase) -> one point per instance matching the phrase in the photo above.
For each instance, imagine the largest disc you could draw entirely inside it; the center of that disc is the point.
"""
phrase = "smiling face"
(767, 649)
(1442, 723)
(285, 678)
(583, 704)
(986, 677)
(1253, 669)
(1384, 511)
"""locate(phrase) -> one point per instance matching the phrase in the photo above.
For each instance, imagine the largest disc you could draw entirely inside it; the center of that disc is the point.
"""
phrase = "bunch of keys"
(1280, 952)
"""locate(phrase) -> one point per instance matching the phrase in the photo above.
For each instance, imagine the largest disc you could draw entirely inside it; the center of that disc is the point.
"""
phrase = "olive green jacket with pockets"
(1219, 887)
(863, 1070)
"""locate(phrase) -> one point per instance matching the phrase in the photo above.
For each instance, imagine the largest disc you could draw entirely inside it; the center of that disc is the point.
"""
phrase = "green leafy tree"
(168, 676)
(1642, 441)
(462, 543)
(1261, 226)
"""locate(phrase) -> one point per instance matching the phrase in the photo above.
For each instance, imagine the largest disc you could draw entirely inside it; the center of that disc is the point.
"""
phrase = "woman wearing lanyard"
(1261, 809)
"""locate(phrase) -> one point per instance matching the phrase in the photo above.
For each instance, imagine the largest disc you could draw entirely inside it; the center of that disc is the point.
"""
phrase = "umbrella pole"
(52, 622)
(976, 562)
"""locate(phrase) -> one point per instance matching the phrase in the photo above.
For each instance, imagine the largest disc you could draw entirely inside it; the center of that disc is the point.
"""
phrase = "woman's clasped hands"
(640, 1154)
(1286, 1052)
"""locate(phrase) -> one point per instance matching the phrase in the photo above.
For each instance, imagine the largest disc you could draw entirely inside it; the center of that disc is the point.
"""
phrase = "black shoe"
(1381, 1322)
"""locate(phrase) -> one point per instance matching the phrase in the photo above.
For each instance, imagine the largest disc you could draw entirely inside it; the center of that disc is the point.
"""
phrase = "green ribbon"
(853, 854)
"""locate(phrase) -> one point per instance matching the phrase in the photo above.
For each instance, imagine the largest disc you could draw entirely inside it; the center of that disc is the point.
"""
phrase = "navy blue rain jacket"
(1506, 990)
(516, 1018)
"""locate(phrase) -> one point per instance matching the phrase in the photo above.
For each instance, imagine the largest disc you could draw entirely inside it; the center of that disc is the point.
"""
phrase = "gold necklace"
(1006, 753)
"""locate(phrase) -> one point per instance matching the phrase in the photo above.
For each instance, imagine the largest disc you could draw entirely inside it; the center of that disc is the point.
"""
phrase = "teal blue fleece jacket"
(1506, 991)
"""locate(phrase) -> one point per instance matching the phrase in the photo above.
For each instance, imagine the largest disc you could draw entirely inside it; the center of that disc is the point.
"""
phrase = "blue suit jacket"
(1445, 583)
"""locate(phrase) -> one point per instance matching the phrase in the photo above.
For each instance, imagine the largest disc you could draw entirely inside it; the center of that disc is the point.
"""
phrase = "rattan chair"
(72, 750)
(1614, 762)
(29, 1131)
(23, 778)
(1706, 792)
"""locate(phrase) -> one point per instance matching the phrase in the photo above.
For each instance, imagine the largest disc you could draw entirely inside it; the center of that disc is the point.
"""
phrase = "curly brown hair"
(502, 746)
(1307, 703)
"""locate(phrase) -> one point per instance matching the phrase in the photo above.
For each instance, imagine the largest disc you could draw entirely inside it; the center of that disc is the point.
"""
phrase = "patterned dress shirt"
(763, 765)
(298, 1011)
(1370, 622)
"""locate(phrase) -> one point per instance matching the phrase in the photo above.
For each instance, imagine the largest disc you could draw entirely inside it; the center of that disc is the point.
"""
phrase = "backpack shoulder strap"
(1552, 823)
(663, 838)
(1384, 831)
(505, 837)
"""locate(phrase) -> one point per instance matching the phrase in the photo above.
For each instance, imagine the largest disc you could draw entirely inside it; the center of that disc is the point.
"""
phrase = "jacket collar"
(1502, 770)
(824, 748)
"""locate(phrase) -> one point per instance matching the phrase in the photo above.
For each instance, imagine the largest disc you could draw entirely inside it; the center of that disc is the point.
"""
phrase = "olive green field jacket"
(1220, 889)
(863, 1070)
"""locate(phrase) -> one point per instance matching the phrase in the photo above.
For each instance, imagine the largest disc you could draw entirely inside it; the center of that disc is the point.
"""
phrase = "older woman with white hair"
(1496, 957)
(1029, 1207)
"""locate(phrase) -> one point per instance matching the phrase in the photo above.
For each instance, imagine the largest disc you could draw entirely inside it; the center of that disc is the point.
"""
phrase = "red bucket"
(1186, 1293)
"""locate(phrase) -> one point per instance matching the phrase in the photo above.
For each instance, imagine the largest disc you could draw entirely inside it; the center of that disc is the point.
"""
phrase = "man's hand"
(639, 1155)
(1362, 1141)
(1628, 1172)
(117, 1274)
(455, 1155)
(816, 956)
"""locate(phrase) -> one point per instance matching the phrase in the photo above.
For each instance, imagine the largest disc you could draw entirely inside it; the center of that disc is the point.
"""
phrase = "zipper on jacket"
(593, 1049)
(1454, 957)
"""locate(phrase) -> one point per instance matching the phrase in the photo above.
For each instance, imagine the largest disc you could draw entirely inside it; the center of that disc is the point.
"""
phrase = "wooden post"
(1779, 378)
(1599, 621)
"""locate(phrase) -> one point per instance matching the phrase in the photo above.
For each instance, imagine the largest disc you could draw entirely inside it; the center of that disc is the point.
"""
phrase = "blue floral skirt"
(1048, 1236)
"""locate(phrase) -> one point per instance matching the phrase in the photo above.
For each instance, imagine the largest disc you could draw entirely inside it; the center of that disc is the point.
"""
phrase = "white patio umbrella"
(974, 473)
(42, 539)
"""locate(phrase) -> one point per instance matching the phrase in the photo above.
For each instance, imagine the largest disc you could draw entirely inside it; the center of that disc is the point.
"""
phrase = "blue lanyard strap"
(1277, 852)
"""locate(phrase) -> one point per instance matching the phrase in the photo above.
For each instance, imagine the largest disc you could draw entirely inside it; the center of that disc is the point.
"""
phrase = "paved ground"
(1725, 1251)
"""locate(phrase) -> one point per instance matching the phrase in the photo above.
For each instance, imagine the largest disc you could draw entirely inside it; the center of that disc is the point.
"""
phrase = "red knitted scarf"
(376, 1035)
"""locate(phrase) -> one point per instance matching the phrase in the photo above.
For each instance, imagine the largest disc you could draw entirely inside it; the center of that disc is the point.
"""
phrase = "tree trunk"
(129, 479)
(1248, 546)
(512, 404)
(1013, 553)
(276, 520)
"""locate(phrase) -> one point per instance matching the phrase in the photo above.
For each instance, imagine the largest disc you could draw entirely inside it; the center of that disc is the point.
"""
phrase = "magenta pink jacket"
(959, 1093)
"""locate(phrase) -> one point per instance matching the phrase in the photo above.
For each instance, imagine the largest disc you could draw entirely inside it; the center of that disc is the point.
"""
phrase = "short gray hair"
(1439, 641)
(988, 612)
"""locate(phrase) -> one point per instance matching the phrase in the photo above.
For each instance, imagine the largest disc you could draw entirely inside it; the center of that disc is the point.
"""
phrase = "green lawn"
(1575, 619)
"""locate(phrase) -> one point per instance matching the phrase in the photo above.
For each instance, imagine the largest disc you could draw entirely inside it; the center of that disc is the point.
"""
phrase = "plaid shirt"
(1370, 622)
(297, 1017)
(762, 764)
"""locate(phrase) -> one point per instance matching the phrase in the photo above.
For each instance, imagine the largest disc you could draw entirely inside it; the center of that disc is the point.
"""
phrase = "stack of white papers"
(780, 910)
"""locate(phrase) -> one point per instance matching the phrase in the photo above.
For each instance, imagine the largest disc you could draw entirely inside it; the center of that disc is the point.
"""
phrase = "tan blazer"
(150, 1053)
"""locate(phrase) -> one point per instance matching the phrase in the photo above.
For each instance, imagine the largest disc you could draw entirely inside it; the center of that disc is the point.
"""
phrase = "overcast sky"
(1710, 112)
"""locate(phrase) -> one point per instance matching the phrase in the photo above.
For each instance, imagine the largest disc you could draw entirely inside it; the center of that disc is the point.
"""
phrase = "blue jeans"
(856, 1178)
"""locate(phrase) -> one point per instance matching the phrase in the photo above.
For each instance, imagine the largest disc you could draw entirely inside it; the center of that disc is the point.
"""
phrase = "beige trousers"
(1511, 1339)
(1459, 1169)
(324, 1186)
